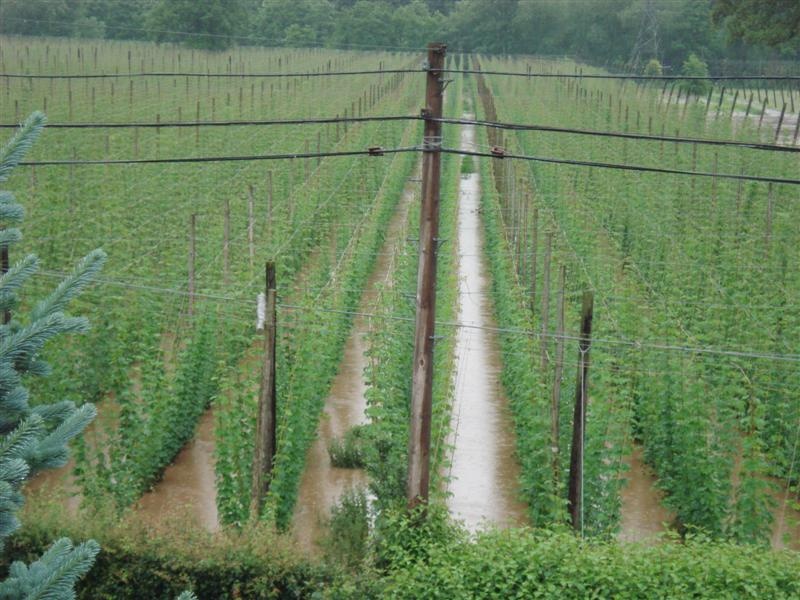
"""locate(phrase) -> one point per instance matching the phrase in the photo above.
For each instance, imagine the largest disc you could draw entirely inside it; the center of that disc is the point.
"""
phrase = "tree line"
(603, 32)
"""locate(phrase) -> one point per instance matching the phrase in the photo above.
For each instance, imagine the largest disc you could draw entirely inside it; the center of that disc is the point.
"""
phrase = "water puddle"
(188, 486)
(323, 484)
(60, 483)
(643, 515)
(483, 474)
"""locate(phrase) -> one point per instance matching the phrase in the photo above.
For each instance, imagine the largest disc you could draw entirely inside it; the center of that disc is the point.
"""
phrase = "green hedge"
(433, 561)
(137, 563)
(523, 564)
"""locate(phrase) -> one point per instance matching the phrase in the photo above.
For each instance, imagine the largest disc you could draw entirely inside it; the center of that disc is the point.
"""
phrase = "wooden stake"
(780, 123)
(579, 417)
(419, 439)
(534, 244)
(559, 371)
(251, 240)
(226, 244)
(768, 225)
(548, 246)
(266, 421)
(192, 251)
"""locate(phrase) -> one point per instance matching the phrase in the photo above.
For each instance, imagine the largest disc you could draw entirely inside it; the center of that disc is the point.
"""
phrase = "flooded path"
(188, 485)
(323, 484)
(786, 527)
(483, 472)
(642, 514)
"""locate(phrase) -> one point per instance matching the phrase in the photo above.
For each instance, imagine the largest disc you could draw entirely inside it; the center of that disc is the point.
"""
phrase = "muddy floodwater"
(188, 485)
(642, 515)
(323, 484)
(483, 474)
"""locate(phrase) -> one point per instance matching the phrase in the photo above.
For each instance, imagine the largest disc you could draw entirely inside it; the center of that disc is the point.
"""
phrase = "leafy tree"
(33, 438)
(365, 23)
(771, 22)
(695, 67)
(653, 68)
(210, 25)
(38, 17)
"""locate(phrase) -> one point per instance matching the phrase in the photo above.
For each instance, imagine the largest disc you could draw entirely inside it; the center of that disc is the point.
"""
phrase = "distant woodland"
(612, 33)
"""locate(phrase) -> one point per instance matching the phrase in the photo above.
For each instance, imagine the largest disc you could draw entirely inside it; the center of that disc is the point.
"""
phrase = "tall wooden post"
(579, 417)
(548, 246)
(251, 225)
(559, 370)
(226, 243)
(266, 445)
(419, 439)
(192, 254)
(534, 247)
(780, 124)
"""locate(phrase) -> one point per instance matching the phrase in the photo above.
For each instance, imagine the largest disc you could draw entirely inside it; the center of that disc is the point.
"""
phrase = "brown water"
(643, 515)
(483, 473)
(61, 482)
(323, 484)
(188, 486)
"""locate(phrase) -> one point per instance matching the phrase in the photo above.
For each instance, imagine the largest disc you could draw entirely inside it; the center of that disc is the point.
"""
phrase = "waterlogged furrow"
(483, 475)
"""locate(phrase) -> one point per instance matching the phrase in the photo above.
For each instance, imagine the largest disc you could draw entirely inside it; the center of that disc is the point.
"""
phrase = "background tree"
(210, 25)
(772, 22)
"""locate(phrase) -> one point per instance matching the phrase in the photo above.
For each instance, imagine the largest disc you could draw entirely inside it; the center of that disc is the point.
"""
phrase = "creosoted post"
(266, 422)
(419, 440)
(579, 418)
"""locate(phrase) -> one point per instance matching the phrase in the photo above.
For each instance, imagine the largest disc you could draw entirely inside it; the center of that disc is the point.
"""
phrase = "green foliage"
(772, 22)
(33, 438)
(391, 348)
(653, 68)
(137, 562)
(206, 25)
(525, 564)
(348, 452)
(346, 542)
(606, 35)
(694, 66)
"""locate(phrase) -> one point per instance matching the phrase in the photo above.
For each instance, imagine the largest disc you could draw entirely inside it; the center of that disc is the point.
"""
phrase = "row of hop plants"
(384, 440)
(160, 368)
(311, 341)
(701, 262)
(529, 383)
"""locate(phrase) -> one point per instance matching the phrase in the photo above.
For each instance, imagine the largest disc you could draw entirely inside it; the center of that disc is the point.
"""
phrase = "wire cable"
(235, 123)
(623, 167)
(618, 134)
(220, 75)
(634, 77)
(206, 159)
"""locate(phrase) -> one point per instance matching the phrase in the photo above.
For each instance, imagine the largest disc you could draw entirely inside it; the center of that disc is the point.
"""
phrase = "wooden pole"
(534, 244)
(192, 253)
(545, 318)
(579, 417)
(266, 421)
(419, 439)
(251, 238)
(780, 124)
(559, 369)
(768, 224)
(226, 244)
